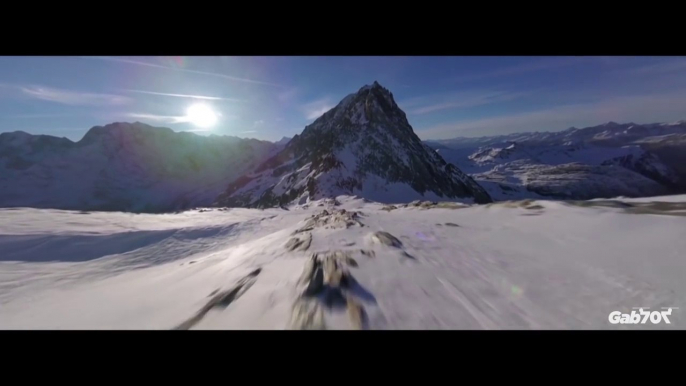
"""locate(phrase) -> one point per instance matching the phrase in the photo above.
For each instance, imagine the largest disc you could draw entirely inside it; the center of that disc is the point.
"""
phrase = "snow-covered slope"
(122, 166)
(364, 146)
(519, 180)
(346, 263)
(601, 161)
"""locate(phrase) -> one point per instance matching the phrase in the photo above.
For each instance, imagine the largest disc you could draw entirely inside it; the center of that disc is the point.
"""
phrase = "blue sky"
(271, 97)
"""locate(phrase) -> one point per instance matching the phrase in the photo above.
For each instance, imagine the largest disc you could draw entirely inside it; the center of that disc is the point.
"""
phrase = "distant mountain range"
(123, 167)
(364, 146)
(608, 160)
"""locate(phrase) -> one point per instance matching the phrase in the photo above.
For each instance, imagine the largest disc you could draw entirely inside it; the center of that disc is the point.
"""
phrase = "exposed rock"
(222, 299)
(328, 285)
(368, 253)
(386, 238)
(451, 205)
(300, 244)
(363, 144)
(334, 219)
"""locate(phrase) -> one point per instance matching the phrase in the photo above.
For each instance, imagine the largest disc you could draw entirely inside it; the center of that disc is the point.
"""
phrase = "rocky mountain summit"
(365, 147)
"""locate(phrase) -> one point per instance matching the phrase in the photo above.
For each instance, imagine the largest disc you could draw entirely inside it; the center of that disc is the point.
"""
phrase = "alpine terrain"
(123, 167)
(364, 146)
(355, 223)
(344, 263)
(609, 160)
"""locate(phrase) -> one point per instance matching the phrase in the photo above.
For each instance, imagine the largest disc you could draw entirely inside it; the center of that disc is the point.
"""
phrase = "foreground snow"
(523, 265)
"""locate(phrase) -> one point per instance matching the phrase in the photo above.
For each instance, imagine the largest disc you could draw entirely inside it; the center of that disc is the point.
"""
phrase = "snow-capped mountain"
(124, 167)
(608, 160)
(364, 146)
(626, 133)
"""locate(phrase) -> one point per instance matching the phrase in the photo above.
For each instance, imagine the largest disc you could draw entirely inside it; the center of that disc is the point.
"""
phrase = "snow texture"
(346, 263)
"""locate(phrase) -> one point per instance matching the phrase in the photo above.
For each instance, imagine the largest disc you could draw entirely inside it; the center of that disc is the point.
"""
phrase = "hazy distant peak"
(283, 141)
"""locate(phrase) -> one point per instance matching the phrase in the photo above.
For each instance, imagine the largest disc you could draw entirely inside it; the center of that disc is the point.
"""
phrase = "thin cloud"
(258, 123)
(31, 116)
(73, 98)
(315, 109)
(249, 131)
(203, 97)
(539, 65)
(664, 67)
(638, 108)
(154, 65)
(160, 118)
(463, 100)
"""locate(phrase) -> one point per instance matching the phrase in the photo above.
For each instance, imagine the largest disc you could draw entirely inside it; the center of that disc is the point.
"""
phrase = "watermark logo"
(642, 316)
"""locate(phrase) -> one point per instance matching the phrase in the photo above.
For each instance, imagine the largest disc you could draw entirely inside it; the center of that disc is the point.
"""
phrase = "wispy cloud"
(155, 65)
(258, 123)
(315, 109)
(204, 97)
(461, 100)
(662, 67)
(539, 65)
(73, 98)
(248, 131)
(159, 118)
(38, 116)
(646, 108)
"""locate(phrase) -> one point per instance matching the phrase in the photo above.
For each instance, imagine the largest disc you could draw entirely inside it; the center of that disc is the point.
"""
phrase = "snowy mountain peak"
(363, 146)
(370, 86)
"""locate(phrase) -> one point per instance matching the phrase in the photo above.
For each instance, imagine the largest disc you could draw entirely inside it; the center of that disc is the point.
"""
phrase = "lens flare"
(201, 115)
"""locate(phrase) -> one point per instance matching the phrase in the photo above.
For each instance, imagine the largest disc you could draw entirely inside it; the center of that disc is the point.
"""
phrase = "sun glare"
(201, 115)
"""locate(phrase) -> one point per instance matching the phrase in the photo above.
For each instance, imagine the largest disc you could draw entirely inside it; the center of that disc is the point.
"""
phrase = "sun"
(201, 115)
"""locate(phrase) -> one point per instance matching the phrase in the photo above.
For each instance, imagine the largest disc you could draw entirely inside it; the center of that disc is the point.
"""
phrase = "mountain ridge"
(531, 136)
(362, 146)
(601, 161)
(142, 168)
(122, 167)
